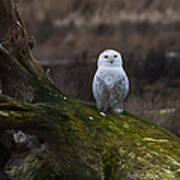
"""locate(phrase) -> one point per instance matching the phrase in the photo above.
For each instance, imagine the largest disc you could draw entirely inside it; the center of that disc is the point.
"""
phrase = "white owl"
(110, 83)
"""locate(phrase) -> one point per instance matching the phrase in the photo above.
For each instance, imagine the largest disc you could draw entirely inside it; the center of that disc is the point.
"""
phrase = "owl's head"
(110, 58)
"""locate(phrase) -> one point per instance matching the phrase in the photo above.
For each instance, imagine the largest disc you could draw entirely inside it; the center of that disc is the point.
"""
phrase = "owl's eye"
(115, 56)
(106, 56)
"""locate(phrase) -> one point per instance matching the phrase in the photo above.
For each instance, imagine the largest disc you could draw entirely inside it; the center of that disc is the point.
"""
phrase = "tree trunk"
(47, 135)
(19, 71)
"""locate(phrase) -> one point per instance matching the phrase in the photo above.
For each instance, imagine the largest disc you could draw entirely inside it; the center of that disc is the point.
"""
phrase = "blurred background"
(70, 34)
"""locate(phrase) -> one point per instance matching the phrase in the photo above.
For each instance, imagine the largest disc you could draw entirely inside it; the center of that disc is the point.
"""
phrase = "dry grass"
(164, 112)
(103, 10)
(76, 26)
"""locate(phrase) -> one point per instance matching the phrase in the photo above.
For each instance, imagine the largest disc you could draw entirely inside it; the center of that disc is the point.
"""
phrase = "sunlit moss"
(4, 113)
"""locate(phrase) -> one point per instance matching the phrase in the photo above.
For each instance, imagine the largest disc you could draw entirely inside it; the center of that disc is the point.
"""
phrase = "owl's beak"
(111, 60)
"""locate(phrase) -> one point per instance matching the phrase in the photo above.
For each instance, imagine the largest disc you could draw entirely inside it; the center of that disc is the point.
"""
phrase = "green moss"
(4, 113)
(45, 92)
(33, 166)
(92, 146)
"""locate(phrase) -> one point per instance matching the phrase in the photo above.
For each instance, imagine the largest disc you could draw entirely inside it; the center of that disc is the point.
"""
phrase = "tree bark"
(19, 70)
(47, 135)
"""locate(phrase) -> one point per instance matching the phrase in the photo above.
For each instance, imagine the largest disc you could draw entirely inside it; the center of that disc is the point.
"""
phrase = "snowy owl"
(110, 83)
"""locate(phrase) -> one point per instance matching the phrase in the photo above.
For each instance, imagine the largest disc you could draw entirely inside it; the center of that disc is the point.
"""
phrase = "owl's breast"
(110, 80)
(111, 76)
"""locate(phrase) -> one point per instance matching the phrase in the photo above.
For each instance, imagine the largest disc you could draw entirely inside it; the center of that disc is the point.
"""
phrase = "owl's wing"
(121, 88)
(100, 92)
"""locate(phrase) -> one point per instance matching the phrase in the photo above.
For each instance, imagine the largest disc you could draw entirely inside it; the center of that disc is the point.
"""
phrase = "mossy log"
(67, 138)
